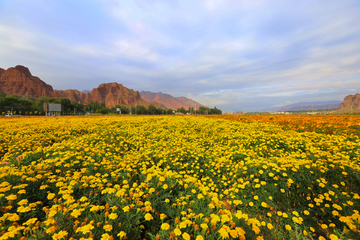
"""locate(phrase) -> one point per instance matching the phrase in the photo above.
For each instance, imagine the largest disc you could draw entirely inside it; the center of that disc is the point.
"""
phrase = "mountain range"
(18, 80)
(308, 106)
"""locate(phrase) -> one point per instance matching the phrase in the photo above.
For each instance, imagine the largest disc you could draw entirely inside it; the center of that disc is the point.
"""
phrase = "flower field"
(327, 124)
(179, 177)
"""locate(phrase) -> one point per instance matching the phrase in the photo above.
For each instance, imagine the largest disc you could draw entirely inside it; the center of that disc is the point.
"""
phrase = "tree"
(141, 110)
(215, 111)
(202, 110)
(65, 105)
(151, 109)
(182, 110)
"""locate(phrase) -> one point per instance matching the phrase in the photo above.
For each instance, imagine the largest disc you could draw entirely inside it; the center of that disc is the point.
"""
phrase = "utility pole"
(351, 108)
(328, 108)
(257, 106)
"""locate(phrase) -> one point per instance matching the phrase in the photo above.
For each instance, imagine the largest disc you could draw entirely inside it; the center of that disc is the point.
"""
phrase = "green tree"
(65, 105)
(151, 109)
(141, 110)
(182, 110)
(215, 111)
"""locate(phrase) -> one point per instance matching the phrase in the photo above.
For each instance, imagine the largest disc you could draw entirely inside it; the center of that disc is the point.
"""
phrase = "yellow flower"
(148, 217)
(60, 235)
(204, 226)
(76, 213)
(126, 208)
(306, 212)
(199, 237)
(223, 233)
(121, 234)
(83, 199)
(186, 236)
(165, 186)
(177, 232)
(165, 226)
(108, 227)
(11, 197)
(31, 221)
(233, 233)
(50, 196)
(106, 236)
(85, 229)
(288, 227)
(263, 204)
(333, 237)
(162, 216)
(113, 216)
(23, 202)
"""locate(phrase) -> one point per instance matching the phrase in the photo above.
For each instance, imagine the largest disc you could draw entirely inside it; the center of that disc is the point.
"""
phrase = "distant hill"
(311, 106)
(169, 101)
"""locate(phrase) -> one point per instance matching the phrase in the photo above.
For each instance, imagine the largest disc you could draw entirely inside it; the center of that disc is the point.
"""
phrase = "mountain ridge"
(170, 101)
(18, 80)
(305, 106)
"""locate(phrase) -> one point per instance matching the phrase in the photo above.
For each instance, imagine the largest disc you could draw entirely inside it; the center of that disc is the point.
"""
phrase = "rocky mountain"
(73, 95)
(169, 101)
(306, 106)
(19, 81)
(116, 94)
(351, 104)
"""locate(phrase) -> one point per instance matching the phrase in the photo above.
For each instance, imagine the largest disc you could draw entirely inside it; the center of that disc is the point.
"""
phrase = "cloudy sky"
(230, 54)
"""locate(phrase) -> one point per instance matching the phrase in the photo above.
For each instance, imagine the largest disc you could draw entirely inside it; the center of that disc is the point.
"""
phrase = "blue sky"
(230, 54)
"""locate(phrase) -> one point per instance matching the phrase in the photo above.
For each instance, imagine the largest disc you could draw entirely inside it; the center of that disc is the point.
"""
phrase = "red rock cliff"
(351, 103)
(19, 81)
(114, 94)
(73, 95)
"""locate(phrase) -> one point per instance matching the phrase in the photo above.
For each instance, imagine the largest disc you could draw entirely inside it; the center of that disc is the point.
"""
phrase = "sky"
(237, 55)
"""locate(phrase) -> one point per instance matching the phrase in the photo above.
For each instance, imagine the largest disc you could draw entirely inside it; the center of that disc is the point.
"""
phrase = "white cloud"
(12, 38)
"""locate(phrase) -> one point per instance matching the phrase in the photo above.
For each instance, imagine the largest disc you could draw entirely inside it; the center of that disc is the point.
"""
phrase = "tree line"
(34, 106)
